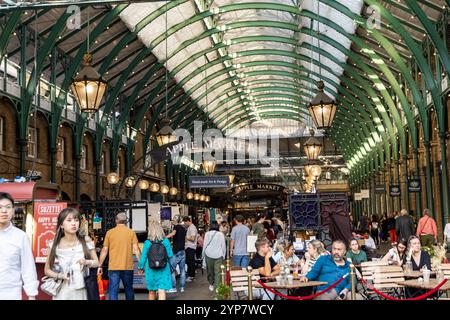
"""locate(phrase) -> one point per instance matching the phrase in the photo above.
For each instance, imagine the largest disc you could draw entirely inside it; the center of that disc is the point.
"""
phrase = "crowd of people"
(164, 257)
(400, 225)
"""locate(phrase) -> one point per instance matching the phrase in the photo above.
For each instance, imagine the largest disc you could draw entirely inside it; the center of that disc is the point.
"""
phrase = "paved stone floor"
(196, 290)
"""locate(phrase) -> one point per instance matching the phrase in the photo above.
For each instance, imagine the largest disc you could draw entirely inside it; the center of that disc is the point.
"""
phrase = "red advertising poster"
(45, 220)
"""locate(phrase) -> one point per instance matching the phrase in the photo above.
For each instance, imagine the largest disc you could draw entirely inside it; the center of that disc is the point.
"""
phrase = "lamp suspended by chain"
(165, 135)
(322, 108)
(209, 161)
(312, 147)
(88, 86)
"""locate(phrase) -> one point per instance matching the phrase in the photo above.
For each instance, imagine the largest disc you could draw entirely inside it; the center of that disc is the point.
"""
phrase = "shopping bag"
(101, 289)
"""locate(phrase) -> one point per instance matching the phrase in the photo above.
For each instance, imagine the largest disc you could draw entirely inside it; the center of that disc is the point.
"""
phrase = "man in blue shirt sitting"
(330, 268)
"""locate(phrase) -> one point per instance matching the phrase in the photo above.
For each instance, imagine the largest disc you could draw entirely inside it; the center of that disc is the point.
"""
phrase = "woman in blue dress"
(157, 280)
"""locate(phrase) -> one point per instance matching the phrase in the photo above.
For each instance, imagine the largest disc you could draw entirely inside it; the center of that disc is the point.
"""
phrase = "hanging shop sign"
(45, 221)
(259, 186)
(394, 190)
(365, 194)
(358, 196)
(380, 188)
(414, 185)
(209, 181)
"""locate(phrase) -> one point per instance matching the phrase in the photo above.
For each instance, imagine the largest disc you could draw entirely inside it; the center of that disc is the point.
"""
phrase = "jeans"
(241, 261)
(213, 270)
(114, 280)
(179, 259)
(190, 261)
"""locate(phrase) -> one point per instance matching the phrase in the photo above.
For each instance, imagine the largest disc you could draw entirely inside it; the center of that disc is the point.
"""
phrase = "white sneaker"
(189, 279)
(182, 289)
(173, 290)
(211, 288)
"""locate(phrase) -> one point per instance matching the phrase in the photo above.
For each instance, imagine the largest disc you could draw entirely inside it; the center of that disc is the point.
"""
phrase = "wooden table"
(295, 285)
(430, 285)
(416, 274)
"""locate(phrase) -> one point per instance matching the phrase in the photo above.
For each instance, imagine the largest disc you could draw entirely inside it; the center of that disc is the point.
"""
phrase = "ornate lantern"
(209, 165)
(202, 197)
(322, 108)
(196, 197)
(165, 135)
(88, 87)
(189, 196)
(312, 148)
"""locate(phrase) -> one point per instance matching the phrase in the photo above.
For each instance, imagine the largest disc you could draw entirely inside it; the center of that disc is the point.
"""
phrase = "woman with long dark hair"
(71, 251)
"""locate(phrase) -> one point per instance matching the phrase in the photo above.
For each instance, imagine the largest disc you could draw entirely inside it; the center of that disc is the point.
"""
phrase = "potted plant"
(223, 292)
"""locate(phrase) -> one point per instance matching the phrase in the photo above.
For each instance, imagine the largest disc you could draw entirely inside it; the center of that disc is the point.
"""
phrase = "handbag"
(91, 284)
(51, 286)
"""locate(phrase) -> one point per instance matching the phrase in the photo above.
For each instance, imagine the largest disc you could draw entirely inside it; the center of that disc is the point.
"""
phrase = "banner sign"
(414, 185)
(259, 186)
(45, 221)
(380, 188)
(209, 181)
(394, 190)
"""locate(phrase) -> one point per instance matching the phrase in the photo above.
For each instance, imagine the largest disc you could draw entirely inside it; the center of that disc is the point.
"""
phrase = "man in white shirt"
(17, 264)
(190, 247)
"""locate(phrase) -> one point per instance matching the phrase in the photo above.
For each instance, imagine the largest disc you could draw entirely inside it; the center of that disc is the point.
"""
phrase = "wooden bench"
(239, 282)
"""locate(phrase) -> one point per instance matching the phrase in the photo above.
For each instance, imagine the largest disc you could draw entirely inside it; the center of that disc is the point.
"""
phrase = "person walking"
(238, 243)
(17, 267)
(190, 247)
(374, 229)
(214, 251)
(426, 229)
(362, 223)
(178, 236)
(390, 224)
(72, 251)
(404, 225)
(120, 243)
(155, 261)
(258, 227)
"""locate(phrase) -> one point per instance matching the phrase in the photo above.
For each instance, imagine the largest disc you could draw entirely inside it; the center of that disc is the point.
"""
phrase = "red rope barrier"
(421, 297)
(312, 296)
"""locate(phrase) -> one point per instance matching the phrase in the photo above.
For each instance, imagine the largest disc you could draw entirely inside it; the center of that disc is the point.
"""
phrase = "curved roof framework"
(249, 61)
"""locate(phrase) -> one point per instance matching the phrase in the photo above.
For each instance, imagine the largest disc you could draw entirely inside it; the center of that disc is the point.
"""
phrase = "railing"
(9, 80)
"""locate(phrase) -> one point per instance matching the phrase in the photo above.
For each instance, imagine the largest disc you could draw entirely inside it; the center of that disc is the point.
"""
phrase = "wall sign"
(259, 186)
(380, 188)
(209, 181)
(394, 191)
(414, 185)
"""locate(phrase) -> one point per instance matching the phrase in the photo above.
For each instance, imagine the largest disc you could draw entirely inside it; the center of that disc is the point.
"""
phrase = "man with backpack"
(120, 242)
(190, 247)
(178, 236)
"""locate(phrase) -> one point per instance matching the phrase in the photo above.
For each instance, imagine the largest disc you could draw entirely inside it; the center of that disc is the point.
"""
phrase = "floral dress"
(74, 288)
(157, 278)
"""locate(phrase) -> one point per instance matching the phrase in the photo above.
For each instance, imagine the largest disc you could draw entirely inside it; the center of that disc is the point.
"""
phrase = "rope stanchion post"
(352, 281)
(250, 282)
(222, 273)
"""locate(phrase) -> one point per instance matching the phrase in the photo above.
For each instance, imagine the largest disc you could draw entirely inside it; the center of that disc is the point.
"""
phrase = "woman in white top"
(315, 250)
(214, 251)
(397, 254)
(287, 254)
(68, 256)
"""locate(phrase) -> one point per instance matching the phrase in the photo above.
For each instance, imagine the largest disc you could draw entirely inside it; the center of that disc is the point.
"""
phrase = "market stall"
(37, 207)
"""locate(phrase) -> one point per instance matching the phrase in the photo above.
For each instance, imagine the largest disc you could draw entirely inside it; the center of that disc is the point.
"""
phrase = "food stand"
(37, 207)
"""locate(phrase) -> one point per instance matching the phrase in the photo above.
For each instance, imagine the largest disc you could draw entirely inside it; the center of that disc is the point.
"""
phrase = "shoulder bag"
(51, 286)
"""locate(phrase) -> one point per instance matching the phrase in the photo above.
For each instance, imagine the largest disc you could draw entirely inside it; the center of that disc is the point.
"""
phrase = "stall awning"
(27, 191)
